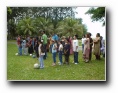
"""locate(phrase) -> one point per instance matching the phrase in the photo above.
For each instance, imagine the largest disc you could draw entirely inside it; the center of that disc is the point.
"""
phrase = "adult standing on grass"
(83, 39)
(54, 51)
(86, 48)
(30, 48)
(44, 39)
(41, 53)
(67, 51)
(76, 49)
(91, 44)
(97, 46)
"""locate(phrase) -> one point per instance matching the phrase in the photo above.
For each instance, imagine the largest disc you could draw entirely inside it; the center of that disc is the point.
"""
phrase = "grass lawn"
(21, 68)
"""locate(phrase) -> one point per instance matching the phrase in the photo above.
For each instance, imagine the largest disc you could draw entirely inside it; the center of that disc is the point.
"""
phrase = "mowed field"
(22, 67)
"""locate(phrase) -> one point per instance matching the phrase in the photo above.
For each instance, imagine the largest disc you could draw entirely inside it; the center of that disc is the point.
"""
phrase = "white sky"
(93, 27)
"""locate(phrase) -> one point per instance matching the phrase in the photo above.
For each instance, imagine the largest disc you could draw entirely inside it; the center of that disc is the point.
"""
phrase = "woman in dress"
(97, 46)
(86, 48)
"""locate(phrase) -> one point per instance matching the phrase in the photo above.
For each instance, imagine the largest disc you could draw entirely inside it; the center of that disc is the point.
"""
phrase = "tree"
(70, 27)
(97, 14)
(26, 26)
(42, 23)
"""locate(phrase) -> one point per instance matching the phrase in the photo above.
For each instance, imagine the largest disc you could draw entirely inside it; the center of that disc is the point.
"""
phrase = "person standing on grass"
(83, 39)
(97, 46)
(67, 51)
(30, 48)
(44, 39)
(102, 49)
(54, 51)
(23, 46)
(71, 44)
(20, 46)
(91, 44)
(41, 53)
(86, 48)
(76, 49)
(50, 45)
(36, 47)
(60, 52)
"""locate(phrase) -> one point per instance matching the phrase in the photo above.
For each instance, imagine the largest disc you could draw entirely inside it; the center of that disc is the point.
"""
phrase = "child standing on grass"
(75, 49)
(60, 52)
(67, 51)
(41, 53)
(54, 51)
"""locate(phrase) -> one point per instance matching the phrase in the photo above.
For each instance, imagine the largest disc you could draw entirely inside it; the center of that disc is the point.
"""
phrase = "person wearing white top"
(41, 54)
(83, 40)
(75, 49)
(54, 51)
(60, 52)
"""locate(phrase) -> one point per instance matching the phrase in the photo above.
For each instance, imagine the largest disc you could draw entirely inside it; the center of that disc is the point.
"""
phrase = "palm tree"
(26, 26)
(44, 24)
(69, 27)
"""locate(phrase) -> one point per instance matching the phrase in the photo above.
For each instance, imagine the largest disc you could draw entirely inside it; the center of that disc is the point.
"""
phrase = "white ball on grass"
(16, 54)
(30, 54)
(36, 65)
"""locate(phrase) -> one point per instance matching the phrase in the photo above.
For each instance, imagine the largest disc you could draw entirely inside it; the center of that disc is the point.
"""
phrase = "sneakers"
(76, 63)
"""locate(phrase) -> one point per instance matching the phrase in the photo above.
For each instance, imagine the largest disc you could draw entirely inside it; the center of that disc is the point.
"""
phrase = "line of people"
(62, 46)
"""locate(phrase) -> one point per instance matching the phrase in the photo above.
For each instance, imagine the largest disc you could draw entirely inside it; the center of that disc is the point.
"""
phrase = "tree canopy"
(31, 20)
(97, 14)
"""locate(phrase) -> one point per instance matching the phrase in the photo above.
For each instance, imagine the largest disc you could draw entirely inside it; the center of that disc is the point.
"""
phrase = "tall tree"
(97, 14)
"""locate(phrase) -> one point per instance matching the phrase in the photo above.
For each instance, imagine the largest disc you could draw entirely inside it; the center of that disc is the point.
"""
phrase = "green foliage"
(70, 27)
(31, 20)
(26, 26)
(97, 14)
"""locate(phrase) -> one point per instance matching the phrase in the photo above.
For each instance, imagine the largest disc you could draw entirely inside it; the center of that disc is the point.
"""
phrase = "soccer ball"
(30, 54)
(33, 56)
(36, 65)
(16, 54)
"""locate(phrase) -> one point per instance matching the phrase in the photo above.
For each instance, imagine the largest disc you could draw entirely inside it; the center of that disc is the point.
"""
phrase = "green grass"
(21, 68)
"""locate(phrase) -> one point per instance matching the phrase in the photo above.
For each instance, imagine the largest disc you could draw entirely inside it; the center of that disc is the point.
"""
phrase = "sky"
(93, 27)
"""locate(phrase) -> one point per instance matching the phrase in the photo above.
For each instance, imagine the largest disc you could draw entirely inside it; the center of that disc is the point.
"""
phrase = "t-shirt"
(44, 38)
(39, 49)
(54, 48)
(75, 43)
(67, 49)
(83, 39)
(60, 47)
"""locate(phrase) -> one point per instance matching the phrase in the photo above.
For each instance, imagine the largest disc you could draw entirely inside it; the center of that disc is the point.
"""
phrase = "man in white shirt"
(75, 49)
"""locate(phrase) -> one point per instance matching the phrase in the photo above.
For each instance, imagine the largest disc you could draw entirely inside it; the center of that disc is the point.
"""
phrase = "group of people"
(63, 46)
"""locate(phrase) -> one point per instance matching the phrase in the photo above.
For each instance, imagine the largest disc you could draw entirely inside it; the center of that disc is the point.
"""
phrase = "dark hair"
(88, 35)
(76, 36)
(98, 34)
(60, 42)
(67, 39)
(39, 41)
(43, 31)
